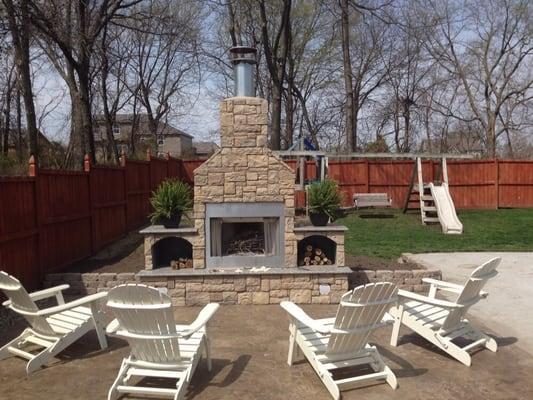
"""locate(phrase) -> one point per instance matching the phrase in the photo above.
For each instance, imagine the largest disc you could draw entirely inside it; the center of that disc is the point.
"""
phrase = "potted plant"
(171, 199)
(324, 202)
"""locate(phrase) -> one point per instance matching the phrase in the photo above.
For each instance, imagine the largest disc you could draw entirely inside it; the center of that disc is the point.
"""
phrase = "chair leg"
(4, 350)
(97, 317)
(293, 347)
(207, 349)
(113, 394)
(397, 324)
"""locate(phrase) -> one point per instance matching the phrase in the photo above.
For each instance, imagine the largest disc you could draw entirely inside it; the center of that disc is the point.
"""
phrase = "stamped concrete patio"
(250, 348)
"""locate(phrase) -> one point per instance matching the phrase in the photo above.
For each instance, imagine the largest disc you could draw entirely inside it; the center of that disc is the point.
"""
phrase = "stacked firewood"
(181, 263)
(252, 242)
(315, 256)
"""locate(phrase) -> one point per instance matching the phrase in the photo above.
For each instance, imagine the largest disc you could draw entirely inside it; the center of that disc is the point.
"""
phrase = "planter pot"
(172, 222)
(319, 219)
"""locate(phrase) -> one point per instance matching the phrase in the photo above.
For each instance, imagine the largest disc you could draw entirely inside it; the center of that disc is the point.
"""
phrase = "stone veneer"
(229, 288)
(244, 170)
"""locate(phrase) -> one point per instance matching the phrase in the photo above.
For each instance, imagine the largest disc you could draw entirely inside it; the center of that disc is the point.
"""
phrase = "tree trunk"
(349, 130)
(19, 126)
(275, 138)
(7, 119)
(112, 151)
(20, 36)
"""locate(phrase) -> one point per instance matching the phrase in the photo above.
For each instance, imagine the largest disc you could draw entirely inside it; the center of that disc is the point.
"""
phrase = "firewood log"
(317, 258)
(188, 263)
(321, 262)
(309, 248)
(325, 259)
(308, 254)
(174, 264)
(307, 259)
(318, 251)
(329, 262)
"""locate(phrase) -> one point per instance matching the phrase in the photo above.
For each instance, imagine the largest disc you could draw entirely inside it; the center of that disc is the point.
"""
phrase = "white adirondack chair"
(440, 321)
(340, 342)
(159, 347)
(51, 329)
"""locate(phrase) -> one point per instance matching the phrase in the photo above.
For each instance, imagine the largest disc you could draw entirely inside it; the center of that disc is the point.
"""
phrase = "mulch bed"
(127, 255)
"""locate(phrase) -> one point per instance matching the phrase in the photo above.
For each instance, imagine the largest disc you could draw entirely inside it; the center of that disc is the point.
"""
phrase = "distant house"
(168, 139)
(16, 141)
(455, 143)
(204, 149)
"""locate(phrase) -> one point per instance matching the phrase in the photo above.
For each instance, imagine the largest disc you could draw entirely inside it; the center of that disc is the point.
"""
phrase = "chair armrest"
(203, 318)
(44, 294)
(428, 300)
(298, 314)
(448, 286)
(71, 304)
(112, 327)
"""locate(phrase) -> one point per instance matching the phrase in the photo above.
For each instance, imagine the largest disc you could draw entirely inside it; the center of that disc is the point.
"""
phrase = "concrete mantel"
(327, 228)
(161, 230)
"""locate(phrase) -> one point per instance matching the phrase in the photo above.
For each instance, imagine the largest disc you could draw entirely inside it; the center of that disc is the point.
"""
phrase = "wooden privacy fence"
(473, 183)
(54, 218)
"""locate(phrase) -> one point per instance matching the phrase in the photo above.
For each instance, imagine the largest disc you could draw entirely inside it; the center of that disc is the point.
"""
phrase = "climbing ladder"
(421, 193)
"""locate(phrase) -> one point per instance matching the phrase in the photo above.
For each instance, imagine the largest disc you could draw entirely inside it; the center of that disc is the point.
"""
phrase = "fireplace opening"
(316, 250)
(170, 250)
(243, 236)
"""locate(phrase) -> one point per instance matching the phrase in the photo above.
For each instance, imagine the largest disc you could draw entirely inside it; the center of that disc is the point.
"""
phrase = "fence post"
(33, 173)
(497, 182)
(87, 169)
(367, 177)
(122, 162)
(167, 158)
(149, 159)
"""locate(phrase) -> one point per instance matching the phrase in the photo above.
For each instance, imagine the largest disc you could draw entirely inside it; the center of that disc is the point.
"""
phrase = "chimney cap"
(243, 54)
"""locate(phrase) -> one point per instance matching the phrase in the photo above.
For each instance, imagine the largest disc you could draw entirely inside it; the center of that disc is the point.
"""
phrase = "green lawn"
(484, 230)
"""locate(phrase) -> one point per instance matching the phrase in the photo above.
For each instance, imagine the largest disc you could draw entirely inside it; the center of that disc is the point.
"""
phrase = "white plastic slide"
(446, 209)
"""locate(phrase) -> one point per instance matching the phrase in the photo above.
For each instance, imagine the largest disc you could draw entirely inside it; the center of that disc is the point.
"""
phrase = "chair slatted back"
(360, 310)
(471, 292)
(143, 310)
(22, 303)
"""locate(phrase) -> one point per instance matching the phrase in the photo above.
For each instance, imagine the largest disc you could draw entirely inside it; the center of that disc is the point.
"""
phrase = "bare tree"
(276, 44)
(70, 30)
(493, 64)
(17, 14)
(165, 58)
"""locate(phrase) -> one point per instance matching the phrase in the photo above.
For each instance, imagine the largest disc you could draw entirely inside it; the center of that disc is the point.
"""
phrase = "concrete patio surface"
(508, 309)
(250, 349)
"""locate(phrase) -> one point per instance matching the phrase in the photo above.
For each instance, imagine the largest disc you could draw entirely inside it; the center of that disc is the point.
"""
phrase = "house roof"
(455, 143)
(165, 128)
(13, 138)
(205, 147)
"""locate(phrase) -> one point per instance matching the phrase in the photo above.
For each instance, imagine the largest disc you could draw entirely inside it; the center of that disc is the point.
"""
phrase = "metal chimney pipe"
(243, 59)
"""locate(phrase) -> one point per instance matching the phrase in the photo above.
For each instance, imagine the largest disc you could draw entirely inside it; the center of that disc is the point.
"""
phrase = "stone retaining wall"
(249, 289)
(232, 289)
(410, 280)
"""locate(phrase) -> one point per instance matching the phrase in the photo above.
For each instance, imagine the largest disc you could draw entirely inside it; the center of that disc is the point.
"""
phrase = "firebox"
(244, 234)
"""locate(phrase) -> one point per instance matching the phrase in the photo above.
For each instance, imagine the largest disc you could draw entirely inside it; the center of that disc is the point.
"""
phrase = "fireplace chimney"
(243, 59)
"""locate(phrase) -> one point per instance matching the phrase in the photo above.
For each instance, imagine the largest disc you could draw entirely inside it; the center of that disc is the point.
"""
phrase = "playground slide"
(446, 209)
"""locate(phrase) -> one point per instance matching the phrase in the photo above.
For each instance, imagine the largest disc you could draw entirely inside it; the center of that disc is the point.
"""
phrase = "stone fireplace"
(244, 189)
(242, 220)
